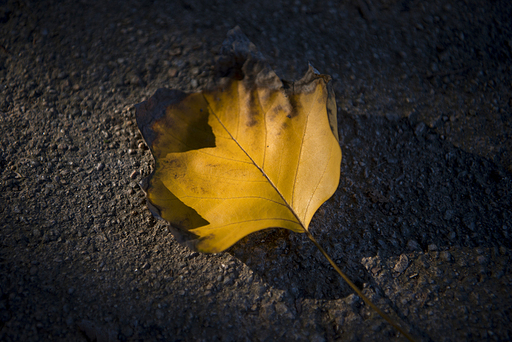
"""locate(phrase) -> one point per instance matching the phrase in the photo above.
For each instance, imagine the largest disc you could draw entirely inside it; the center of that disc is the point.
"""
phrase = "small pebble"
(132, 151)
(193, 255)
(432, 247)
(482, 259)
(352, 299)
(420, 129)
(437, 271)
(159, 314)
(172, 72)
(413, 245)
(134, 174)
(448, 214)
(402, 264)
(127, 331)
(446, 256)
(175, 51)
(100, 166)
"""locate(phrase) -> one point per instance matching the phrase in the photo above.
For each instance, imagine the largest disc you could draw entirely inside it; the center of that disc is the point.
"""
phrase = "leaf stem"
(357, 290)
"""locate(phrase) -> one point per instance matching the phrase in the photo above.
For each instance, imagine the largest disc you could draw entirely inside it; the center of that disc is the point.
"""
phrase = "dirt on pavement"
(421, 219)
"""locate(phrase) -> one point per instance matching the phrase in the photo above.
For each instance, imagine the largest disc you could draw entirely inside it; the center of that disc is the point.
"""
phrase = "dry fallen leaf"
(250, 154)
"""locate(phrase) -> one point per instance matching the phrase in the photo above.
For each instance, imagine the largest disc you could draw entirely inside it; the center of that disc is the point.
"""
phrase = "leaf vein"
(319, 181)
(216, 156)
(265, 133)
(302, 148)
(253, 220)
(232, 198)
(259, 168)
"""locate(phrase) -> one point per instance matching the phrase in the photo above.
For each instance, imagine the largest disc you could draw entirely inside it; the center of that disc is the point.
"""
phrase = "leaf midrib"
(259, 168)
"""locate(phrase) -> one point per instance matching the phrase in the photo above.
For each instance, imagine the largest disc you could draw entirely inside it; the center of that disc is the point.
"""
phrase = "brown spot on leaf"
(284, 126)
(253, 105)
(275, 112)
(296, 107)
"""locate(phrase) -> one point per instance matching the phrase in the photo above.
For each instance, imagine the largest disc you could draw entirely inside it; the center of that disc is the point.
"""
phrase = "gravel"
(420, 221)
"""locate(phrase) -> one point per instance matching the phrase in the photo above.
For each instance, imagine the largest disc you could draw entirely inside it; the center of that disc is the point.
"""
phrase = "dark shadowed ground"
(422, 218)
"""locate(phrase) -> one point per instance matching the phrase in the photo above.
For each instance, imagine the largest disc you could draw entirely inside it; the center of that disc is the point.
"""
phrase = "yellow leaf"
(248, 155)
(251, 153)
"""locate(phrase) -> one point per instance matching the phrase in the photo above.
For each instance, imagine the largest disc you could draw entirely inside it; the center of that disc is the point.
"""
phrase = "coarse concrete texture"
(421, 219)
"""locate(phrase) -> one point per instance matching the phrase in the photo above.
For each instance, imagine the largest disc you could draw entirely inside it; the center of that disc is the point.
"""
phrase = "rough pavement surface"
(421, 220)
